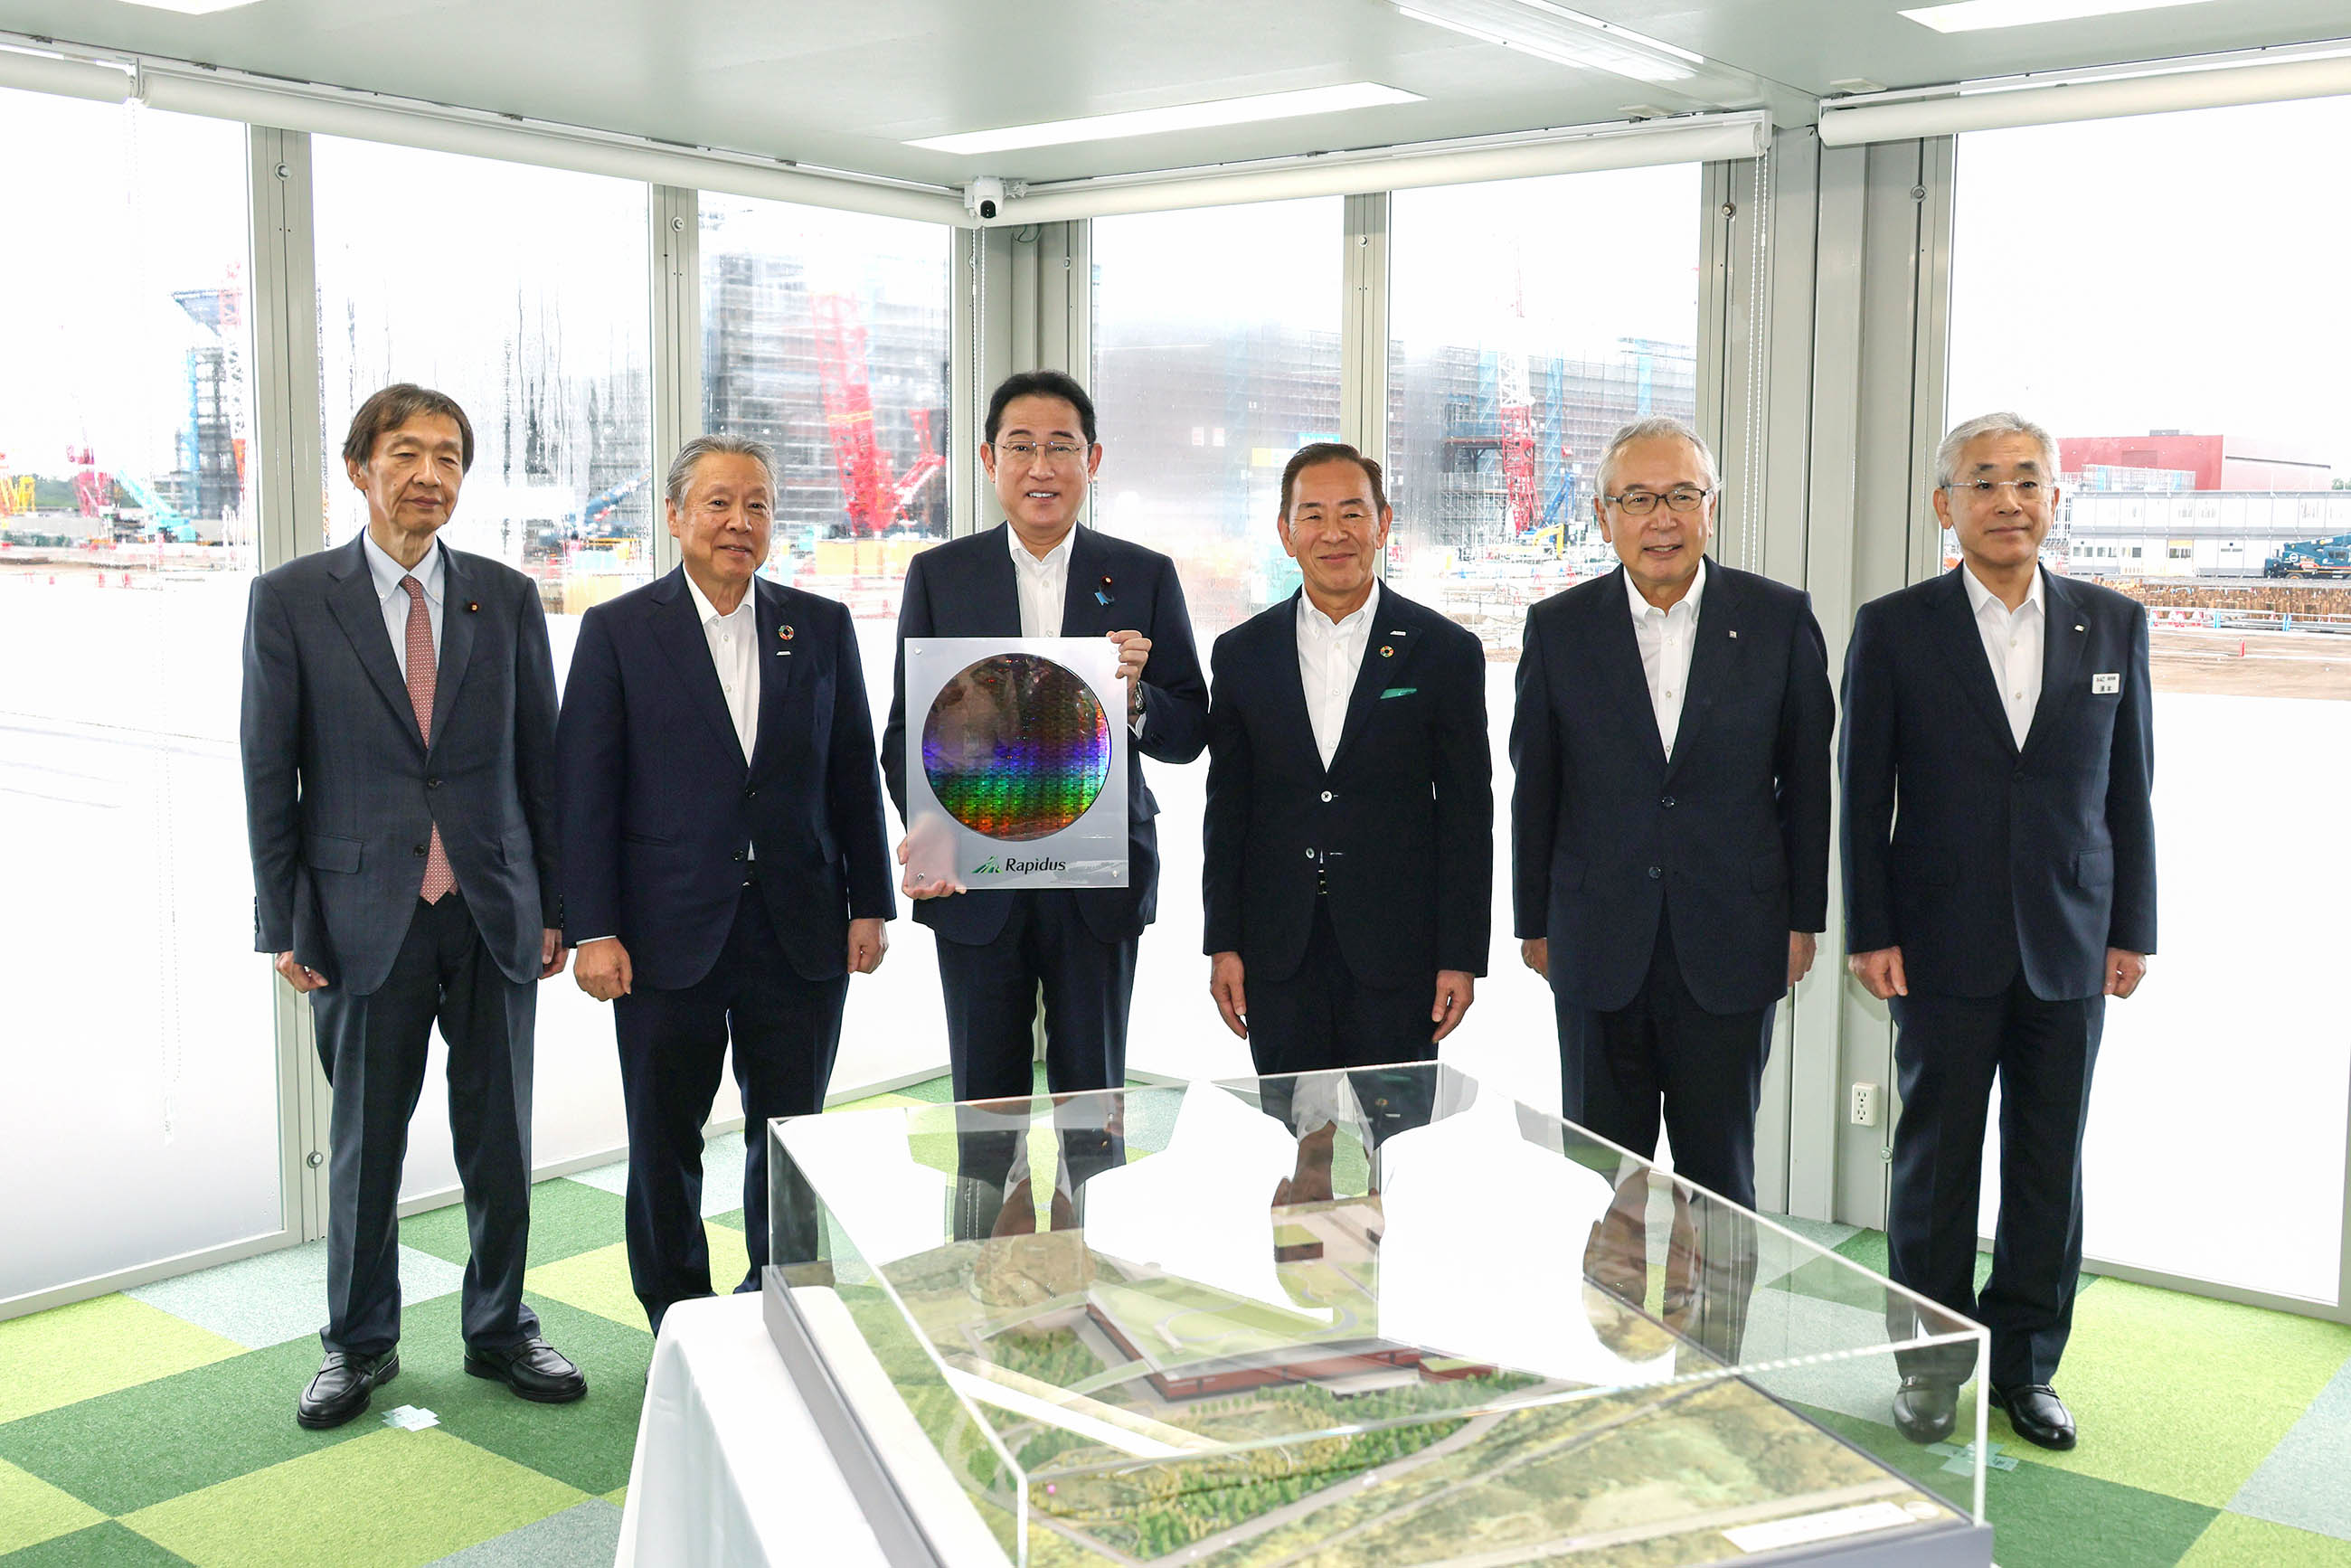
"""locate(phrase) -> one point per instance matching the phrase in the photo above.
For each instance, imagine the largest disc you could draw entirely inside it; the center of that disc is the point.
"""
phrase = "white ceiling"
(844, 85)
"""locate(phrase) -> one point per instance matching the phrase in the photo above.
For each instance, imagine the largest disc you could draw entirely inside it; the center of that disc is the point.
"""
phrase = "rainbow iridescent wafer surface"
(1016, 747)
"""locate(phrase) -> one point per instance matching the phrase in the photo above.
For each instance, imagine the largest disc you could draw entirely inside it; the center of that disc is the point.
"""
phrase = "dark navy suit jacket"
(965, 588)
(1731, 837)
(1975, 857)
(342, 794)
(659, 805)
(1405, 813)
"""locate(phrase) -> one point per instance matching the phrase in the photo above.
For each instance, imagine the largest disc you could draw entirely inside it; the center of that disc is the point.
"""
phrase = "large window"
(1527, 321)
(138, 1049)
(1216, 337)
(2166, 295)
(825, 335)
(1215, 342)
(525, 294)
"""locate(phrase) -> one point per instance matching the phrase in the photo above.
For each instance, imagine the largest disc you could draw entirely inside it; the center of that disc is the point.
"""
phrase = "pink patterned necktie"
(438, 878)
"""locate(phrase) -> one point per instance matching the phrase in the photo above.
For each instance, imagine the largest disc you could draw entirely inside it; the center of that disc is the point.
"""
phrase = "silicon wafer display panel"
(1016, 747)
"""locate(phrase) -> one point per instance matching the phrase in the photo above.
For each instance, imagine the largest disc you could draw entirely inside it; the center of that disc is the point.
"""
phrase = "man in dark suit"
(2000, 886)
(398, 735)
(1671, 820)
(726, 863)
(1041, 575)
(1347, 886)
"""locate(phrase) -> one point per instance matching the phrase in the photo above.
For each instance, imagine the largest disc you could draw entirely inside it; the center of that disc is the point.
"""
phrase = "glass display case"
(1379, 1316)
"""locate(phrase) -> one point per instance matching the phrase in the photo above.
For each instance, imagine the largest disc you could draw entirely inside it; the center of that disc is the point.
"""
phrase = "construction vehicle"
(2311, 557)
(162, 520)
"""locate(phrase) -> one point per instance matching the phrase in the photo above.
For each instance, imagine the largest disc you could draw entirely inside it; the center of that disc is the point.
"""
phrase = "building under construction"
(1449, 434)
(850, 389)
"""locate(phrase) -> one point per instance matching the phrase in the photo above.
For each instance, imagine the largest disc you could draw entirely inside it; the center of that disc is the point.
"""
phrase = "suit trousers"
(373, 1049)
(990, 989)
(1707, 1070)
(785, 1031)
(1325, 1017)
(1947, 1055)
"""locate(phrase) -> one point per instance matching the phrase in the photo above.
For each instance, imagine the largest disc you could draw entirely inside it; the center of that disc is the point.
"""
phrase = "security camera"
(983, 196)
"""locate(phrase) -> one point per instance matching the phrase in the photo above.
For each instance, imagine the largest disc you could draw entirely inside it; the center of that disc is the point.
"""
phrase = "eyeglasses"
(1641, 503)
(2026, 489)
(1059, 453)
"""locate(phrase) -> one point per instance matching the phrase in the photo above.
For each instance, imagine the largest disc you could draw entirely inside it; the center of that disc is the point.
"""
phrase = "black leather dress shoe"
(2039, 1417)
(1926, 1408)
(343, 1386)
(534, 1369)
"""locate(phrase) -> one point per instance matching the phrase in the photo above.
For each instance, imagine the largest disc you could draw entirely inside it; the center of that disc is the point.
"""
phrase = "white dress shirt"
(734, 651)
(1044, 584)
(1667, 638)
(1044, 592)
(387, 573)
(1330, 657)
(2012, 641)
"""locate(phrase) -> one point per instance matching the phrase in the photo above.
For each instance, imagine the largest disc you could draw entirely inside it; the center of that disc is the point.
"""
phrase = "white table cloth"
(730, 1468)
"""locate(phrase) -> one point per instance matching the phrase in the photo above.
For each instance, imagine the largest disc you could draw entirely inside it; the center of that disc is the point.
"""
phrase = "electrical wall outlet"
(1864, 1105)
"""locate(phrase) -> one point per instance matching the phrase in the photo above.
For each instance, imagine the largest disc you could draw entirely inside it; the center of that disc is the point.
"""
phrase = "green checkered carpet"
(157, 1426)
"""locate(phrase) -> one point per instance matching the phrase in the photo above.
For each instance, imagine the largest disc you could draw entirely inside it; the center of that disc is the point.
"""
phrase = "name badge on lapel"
(2106, 685)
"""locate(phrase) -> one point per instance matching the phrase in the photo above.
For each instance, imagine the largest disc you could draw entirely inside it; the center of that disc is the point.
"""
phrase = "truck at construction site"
(2311, 557)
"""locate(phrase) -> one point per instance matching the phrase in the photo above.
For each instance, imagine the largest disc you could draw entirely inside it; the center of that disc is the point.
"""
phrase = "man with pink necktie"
(398, 736)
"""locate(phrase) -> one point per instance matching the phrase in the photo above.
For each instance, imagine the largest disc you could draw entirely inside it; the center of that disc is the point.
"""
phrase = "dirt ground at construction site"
(2252, 664)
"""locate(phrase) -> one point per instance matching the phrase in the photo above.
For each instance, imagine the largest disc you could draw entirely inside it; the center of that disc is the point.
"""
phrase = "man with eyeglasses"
(1042, 575)
(2000, 885)
(1670, 818)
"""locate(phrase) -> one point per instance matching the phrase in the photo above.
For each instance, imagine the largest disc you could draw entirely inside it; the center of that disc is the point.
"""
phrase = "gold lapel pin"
(473, 605)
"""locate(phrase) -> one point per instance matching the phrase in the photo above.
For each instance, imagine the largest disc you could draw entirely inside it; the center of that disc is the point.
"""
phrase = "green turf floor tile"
(732, 1219)
(2200, 1434)
(2233, 1540)
(618, 1497)
(875, 1102)
(94, 1347)
(32, 1510)
(597, 1281)
(139, 1446)
(107, 1545)
(586, 1444)
(584, 1536)
(389, 1500)
(940, 1091)
(2043, 1517)
(566, 1218)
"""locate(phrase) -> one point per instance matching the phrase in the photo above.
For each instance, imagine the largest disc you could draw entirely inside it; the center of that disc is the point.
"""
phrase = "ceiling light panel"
(1975, 15)
(191, 7)
(1563, 37)
(1176, 116)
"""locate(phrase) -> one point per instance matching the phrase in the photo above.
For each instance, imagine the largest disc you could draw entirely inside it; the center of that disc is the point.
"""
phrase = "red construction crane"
(1518, 442)
(93, 490)
(875, 498)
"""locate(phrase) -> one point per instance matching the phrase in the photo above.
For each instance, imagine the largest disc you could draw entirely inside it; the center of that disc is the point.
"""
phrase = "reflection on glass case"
(1372, 1317)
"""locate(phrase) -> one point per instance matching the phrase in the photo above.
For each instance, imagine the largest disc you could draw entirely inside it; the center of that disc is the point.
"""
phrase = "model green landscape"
(1158, 1418)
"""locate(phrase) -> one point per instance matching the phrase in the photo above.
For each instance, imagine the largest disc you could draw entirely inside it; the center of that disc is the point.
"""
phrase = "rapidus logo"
(1014, 866)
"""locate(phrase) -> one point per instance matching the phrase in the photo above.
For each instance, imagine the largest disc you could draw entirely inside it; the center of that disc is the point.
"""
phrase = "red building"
(2218, 462)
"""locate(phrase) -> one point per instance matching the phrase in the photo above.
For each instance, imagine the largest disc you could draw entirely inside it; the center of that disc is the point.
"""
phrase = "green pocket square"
(1398, 692)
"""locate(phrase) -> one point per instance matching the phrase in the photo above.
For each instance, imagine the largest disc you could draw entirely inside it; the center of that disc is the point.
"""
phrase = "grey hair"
(1946, 456)
(1654, 427)
(690, 455)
